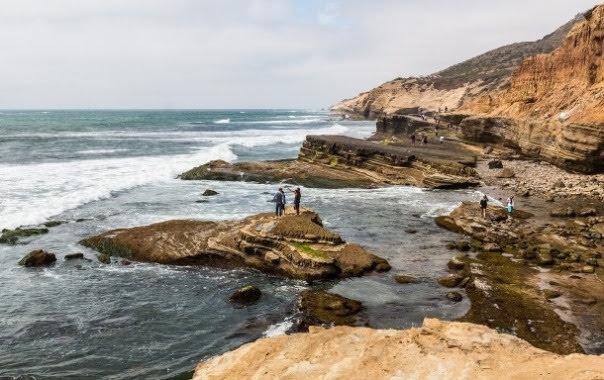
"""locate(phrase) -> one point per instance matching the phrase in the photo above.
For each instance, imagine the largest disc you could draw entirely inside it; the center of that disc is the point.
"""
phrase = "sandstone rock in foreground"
(332, 161)
(294, 246)
(438, 349)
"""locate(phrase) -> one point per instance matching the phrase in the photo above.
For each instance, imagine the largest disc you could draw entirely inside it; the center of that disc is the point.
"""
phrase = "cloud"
(236, 53)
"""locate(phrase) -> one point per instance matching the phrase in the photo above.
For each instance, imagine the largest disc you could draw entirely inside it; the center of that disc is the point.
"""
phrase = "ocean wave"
(101, 151)
(35, 192)
(280, 328)
(222, 121)
(287, 121)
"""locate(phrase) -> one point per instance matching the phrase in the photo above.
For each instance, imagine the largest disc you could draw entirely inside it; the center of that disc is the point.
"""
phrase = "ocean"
(99, 170)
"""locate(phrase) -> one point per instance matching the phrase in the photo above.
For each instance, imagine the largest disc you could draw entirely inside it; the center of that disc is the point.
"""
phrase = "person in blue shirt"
(279, 200)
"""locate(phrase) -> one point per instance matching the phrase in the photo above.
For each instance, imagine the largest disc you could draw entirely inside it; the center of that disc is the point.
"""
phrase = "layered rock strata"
(296, 246)
(340, 160)
(438, 349)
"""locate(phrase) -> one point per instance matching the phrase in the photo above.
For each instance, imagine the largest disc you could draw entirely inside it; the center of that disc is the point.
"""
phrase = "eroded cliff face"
(554, 107)
(451, 87)
(438, 349)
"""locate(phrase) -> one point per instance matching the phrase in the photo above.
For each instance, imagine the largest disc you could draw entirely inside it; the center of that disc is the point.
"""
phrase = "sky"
(207, 54)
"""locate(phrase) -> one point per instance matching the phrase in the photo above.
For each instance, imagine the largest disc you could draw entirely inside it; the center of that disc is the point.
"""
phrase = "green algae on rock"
(319, 307)
(12, 236)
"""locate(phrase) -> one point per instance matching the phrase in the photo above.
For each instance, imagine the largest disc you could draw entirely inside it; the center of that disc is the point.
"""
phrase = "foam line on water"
(33, 193)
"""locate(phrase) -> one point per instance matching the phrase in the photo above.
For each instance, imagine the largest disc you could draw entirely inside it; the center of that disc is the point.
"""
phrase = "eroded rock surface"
(438, 349)
(295, 245)
(333, 161)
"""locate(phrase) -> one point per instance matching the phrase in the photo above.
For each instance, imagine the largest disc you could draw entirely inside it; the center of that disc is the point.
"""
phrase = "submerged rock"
(54, 223)
(402, 279)
(247, 294)
(73, 256)
(319, 307)
(297, 246)
(454, 296)
(12, 236)
(209, 193)
(38, 258)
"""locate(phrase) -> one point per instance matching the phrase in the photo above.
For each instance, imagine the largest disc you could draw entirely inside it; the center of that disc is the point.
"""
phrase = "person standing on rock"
(483, 206)
(413, 139)
(297, 198)
(279, 200)
(510, 204)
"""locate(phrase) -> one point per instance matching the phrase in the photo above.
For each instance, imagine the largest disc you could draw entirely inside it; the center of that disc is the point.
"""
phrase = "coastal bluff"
(334, 161)
(438, 349)
(296, 246)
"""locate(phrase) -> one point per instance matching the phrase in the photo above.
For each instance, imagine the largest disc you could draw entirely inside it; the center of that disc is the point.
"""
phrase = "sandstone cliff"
(438, 349)
(450, 87)
(554, 106)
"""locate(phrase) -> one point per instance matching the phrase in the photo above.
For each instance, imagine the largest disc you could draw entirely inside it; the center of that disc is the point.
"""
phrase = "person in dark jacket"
(297, 198)
(483, 206)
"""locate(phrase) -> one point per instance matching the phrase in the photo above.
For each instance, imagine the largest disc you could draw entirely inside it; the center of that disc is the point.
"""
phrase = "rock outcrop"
(297, 246)
(438, 349)
(38, 258)
(319, 307)
(451, 87)
(340, 161)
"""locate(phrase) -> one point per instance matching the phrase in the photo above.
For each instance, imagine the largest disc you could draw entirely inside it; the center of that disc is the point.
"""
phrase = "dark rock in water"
(247, 294)
(73, 256)
(201, 201)
(411, 231)
(82, 220)
(454, 296)
(12, 236)
(495, 164)
(54, 223)
(551, 294)
(382, 265)
(103, 258)
(38, 258)
(506, 173)
(319, 307)
(402, 279)
(451, 280)
(209, 193)
(563, 212)
(588, 212)
(126, 262)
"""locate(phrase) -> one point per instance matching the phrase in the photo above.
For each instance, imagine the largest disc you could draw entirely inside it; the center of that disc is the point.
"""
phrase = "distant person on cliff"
(483, 206)
(441, 139)
(413, 139)
(297, 198)
(510, 204)
(425, 140)
(279, 200)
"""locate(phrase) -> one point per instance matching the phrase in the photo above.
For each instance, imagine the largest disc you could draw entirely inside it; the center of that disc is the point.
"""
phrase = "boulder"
(588, 212)
(247, 294)
(402, 279)
(491, 247)
(104, 258)
(456, 263)
(506, 173)
(12, 236)
(558, 184)
(588, 269)
(563, 212)
(319, 307)
(451, 280)
(454, 296)
(296, 246)
(53, 223)
(209, 193)
(545, 259)
(495, 164)
(551, 294)
(73, 256)
(38, 258)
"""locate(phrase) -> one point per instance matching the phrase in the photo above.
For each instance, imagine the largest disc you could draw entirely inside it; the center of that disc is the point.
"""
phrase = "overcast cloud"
(244, 53)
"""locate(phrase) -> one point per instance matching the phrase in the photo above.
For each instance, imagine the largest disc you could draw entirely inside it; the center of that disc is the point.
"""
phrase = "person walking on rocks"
(483, 206)
(510, 204)
(279, 200)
